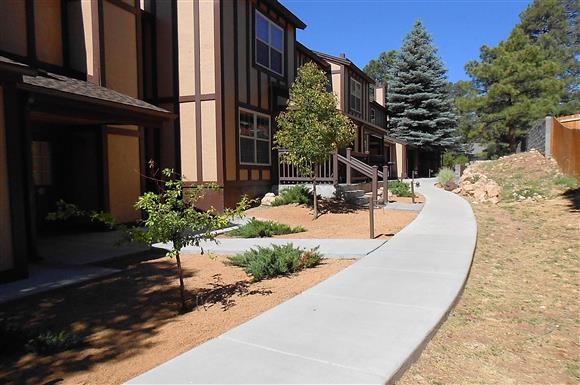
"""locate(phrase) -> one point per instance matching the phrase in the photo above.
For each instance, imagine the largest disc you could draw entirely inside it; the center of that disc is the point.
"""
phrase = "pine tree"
(516, 84)
(380, 69)
(419, 102)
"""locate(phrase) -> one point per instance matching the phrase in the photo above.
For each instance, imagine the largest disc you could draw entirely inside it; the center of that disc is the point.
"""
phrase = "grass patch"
(268, 262)
(264, 229)
(295, 194)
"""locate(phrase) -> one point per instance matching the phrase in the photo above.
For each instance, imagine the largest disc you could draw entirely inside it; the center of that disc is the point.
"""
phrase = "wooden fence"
(565, 143)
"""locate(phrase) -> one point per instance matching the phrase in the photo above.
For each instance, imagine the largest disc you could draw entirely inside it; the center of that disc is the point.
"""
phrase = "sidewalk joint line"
(224, 337)
(450, 275)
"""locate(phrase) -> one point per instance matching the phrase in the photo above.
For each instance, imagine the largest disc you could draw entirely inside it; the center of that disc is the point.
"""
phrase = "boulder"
(268, 199)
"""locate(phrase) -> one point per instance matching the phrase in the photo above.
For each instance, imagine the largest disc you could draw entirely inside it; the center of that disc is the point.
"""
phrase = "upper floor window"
(372, 93)
(269, 44)
(372, 115)
(254, 138)
(355, 95)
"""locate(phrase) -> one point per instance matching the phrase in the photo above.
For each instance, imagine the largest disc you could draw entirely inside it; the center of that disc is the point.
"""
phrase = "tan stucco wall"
(208, 141)
(264, 91)
(13, 26)
(253, 87)
(336, 83)
(48, 31)
(265, 174)
(207, 47)
(124, 176)
(6, 259)
(188, 141)
(120, 50)
(243, 174)
(255, 174)
(401, 159)
(186, 39)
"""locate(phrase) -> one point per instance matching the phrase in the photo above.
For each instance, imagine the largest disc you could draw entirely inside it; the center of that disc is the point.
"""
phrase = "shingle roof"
(32, 77)
(82, 88)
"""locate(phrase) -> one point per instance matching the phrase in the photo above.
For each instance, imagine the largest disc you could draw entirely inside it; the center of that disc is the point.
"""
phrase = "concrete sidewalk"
(362, 325)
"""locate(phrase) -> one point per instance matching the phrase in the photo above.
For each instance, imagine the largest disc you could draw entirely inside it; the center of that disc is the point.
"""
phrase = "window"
(254, 138)
(372, 93)
(355, 95)
(372, 115)
(269, 44)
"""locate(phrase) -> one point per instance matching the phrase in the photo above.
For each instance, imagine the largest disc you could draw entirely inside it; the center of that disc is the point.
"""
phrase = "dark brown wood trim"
(197, 65)
(194, 98)
(167, 99)
(26, 128)
(17, 171)
(254, 108)
(259, 78)
(101, 17)
(219, 97)
(123, 131)
(249, 48)
(30, 31)
(125, 6)
(335, 72)
(46, 66)
(175, 57)
(236, 89)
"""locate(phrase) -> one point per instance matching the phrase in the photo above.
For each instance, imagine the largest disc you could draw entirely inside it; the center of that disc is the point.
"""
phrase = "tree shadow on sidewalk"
(573, 197)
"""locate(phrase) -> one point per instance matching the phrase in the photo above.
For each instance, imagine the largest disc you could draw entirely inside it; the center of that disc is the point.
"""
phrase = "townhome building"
(92, 91)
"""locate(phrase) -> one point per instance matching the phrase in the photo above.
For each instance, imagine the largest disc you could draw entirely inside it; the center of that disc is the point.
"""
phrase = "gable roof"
(284, 12)
(347, 63)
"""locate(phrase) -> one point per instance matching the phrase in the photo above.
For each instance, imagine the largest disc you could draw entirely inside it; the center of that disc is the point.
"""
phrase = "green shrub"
(445, 176)
(17, 340)
(400, 189)
(295, 194)
(51, 342)
(267, 262)
(260, 229)
(450, 159)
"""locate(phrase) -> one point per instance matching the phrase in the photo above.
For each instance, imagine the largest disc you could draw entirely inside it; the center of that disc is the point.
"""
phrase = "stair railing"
(372, 172)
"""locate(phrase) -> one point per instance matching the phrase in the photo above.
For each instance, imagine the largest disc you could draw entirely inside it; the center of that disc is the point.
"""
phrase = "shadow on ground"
(573, 197)
(114, 317)
(336, 206)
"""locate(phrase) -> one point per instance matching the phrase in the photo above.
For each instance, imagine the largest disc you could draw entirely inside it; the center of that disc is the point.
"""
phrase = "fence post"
(348, 150)
(335, 168)
(372, 214)
(385, 185)
(375, 182)
(413, 186)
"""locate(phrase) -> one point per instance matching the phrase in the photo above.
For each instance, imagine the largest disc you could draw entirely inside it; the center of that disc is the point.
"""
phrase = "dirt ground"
(337, 220)
(130, 323)
(517, 321)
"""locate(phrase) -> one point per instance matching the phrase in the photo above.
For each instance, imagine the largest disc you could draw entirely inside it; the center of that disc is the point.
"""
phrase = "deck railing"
(288, 174)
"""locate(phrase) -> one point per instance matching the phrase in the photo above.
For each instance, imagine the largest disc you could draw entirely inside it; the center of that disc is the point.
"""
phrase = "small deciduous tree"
(171, 217)
(312, 127)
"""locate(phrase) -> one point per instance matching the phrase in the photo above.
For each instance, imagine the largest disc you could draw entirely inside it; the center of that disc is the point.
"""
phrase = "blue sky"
(364, 28)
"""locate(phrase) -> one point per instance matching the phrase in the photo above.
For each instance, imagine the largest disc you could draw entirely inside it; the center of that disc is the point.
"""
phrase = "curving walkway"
(363, 325)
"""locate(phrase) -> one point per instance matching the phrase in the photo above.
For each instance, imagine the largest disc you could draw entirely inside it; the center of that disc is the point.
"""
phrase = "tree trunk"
(314, 192)
(181, 286)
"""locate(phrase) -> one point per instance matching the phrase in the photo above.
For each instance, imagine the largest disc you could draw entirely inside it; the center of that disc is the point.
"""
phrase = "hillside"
(517, 321)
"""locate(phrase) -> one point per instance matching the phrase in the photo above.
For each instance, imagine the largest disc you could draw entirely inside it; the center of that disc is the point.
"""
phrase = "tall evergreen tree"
(419, 102)
(553, 25)
(516, 85)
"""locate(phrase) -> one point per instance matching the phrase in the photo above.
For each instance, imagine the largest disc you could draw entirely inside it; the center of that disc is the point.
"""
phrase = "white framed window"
(254, 133)
(269, 47)
(355, 95)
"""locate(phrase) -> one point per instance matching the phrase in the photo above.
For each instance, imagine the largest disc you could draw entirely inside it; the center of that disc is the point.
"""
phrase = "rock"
(268, 199)
(479, 195)
(457, 190)
(492, 189)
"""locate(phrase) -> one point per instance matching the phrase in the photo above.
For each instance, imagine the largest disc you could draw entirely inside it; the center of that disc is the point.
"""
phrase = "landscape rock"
(268, 199)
